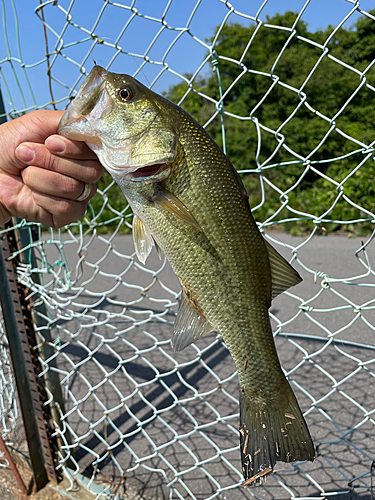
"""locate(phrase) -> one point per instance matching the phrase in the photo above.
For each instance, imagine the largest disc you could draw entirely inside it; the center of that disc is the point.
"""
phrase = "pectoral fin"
(143, 241)
(283, 274)
(189, 326)
(169, 202)
(158, 250)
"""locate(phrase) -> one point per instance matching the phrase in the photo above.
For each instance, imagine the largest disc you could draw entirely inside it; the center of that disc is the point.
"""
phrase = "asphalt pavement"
(129, 407)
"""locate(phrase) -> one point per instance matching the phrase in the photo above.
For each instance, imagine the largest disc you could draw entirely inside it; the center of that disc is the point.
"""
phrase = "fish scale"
(193, 205)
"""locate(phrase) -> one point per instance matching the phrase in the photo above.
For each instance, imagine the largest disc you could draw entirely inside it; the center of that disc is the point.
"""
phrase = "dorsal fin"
(189, 326)
(283, 274)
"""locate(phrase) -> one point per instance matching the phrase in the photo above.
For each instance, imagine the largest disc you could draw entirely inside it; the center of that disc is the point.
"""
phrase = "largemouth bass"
(189, 200)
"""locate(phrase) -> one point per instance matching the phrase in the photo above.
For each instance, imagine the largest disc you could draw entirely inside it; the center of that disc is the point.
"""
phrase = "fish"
(190, 203)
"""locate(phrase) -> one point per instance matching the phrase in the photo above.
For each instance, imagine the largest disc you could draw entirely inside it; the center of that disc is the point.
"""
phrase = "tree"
(306, 103)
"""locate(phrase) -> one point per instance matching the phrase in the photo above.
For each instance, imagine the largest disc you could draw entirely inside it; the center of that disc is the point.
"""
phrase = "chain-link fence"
(141, 421)
(8, 406)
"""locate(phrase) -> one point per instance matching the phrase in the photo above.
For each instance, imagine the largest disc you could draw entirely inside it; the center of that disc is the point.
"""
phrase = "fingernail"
(55, 144)
(24, 153)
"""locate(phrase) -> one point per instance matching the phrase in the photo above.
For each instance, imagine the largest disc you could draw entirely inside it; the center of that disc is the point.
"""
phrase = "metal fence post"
(51, 378)
(24, 370)
(20, 333)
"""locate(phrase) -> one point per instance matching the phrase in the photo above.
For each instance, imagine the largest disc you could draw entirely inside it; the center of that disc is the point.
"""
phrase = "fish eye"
(126, 93)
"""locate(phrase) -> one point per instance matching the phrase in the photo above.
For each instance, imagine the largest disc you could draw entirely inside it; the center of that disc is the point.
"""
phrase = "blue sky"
(184, 57)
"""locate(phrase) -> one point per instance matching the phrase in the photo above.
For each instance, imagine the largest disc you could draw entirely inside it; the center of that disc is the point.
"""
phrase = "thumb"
(33, 127)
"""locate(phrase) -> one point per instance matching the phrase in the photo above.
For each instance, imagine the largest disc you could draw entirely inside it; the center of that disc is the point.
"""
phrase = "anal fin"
(189, 326)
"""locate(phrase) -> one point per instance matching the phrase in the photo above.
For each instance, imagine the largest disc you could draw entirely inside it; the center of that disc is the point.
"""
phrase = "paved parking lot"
(133, 404)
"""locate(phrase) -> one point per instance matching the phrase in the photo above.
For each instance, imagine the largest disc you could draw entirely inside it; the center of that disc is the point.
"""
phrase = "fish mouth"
(129, 158)
(90, 103)
(74, 126)
(154, 172)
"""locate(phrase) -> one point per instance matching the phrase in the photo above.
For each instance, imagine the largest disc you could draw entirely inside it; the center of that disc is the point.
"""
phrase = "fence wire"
(8, 407)
(139, 420)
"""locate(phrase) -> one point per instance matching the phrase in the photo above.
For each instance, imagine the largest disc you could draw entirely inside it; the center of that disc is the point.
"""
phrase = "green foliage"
(316, 132)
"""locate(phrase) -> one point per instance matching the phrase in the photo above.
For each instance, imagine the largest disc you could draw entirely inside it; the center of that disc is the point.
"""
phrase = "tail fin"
(271, 432)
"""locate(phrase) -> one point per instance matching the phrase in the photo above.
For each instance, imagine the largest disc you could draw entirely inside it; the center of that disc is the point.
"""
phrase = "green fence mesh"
(291, 103)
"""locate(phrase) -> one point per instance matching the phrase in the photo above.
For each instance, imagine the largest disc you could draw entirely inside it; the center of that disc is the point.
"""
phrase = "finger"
(21, 201)
(38, 155)
(51, 183)
(32, 127)
(57, 212)
(37, 125)
(69, 149)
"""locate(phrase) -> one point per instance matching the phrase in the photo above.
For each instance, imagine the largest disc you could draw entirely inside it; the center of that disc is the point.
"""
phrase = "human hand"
(42, 174)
